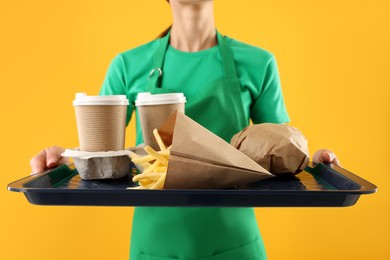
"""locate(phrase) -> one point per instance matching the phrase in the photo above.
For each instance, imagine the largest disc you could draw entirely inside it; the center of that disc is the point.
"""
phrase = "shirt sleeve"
(269, 106)
(115, 83)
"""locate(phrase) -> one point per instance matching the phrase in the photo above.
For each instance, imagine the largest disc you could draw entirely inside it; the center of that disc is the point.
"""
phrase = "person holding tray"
(197, 60)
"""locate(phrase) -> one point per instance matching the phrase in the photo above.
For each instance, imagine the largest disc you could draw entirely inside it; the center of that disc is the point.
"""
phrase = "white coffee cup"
(154, 110)
(101, 122)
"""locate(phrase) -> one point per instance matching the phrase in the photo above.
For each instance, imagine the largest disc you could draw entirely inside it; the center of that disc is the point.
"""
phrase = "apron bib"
(162, 233)
(205, 106)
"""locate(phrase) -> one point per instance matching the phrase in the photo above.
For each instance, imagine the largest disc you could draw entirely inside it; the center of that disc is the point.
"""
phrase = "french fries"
(154, 165)
(159, 140)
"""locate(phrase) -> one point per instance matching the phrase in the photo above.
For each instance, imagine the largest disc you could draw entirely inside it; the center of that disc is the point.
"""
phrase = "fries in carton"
(154, 166)
(198, 159)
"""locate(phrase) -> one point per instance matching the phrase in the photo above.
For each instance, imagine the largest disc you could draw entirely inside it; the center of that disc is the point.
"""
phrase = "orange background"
(334, 64)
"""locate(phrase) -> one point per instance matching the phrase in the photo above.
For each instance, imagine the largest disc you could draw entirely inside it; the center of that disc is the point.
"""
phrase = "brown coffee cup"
(101, 122)
(154, 110)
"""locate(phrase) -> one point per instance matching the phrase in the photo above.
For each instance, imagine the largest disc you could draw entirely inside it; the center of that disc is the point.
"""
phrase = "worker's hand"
(48, 158)
(326, 156)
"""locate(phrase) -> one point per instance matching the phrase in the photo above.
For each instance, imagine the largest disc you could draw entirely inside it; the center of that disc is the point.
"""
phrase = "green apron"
(200, 233)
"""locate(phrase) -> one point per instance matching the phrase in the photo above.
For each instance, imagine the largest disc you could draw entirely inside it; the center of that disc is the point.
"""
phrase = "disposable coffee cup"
(101, 122)
(154, 110)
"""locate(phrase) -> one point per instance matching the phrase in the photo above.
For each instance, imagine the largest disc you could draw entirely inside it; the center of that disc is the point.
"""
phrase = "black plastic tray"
(319, 185)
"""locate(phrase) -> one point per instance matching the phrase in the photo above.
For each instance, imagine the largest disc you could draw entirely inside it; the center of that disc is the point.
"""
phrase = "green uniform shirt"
(187, 72)
(225, 231)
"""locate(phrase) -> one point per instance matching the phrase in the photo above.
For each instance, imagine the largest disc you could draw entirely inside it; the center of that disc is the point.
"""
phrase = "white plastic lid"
(82, 99)
(147, 99)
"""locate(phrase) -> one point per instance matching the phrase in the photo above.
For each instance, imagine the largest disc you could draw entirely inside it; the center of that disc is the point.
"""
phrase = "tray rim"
(119, 196)
(366, 186)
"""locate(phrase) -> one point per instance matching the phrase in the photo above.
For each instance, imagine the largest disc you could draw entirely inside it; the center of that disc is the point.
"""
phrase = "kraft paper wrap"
(281, 149)
(201, 160)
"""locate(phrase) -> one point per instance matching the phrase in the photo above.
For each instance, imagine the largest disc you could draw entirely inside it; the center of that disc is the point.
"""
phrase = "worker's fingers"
(326, 156)
(47, 158)
(38, 162)
(53, 156)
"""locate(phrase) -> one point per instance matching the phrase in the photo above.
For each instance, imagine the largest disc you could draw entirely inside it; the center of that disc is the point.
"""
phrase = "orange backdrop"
(333, 58)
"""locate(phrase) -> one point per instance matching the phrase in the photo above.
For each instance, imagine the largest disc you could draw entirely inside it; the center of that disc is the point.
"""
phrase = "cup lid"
(82, 99)
(148, 99)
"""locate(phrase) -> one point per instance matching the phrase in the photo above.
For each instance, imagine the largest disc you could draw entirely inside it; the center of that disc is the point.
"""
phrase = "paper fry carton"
(202, 160)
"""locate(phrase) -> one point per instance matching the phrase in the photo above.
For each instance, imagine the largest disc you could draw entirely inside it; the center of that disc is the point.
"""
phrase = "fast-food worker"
(226, 83)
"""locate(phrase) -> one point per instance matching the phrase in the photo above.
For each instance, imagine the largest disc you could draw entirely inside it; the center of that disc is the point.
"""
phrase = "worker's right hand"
(48, 158)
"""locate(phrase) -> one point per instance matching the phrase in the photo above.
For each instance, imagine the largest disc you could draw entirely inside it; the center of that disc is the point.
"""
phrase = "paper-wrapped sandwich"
(280, 149)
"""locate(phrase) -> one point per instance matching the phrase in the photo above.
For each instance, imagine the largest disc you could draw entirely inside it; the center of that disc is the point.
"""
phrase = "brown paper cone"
(185, 173)
(200, 159)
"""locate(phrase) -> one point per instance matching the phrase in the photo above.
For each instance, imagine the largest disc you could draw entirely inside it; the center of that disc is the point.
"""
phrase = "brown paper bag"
(281, 149)
(201, 160)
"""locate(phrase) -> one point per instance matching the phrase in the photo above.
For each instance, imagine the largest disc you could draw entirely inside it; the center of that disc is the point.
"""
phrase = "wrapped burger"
(280, 149)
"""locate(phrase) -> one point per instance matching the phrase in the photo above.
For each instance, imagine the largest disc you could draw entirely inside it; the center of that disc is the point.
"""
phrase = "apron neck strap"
(227, 57)
(154, 80)
(159, 57)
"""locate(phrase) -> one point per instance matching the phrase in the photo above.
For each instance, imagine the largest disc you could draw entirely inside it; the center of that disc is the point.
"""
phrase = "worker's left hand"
(326, 156)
